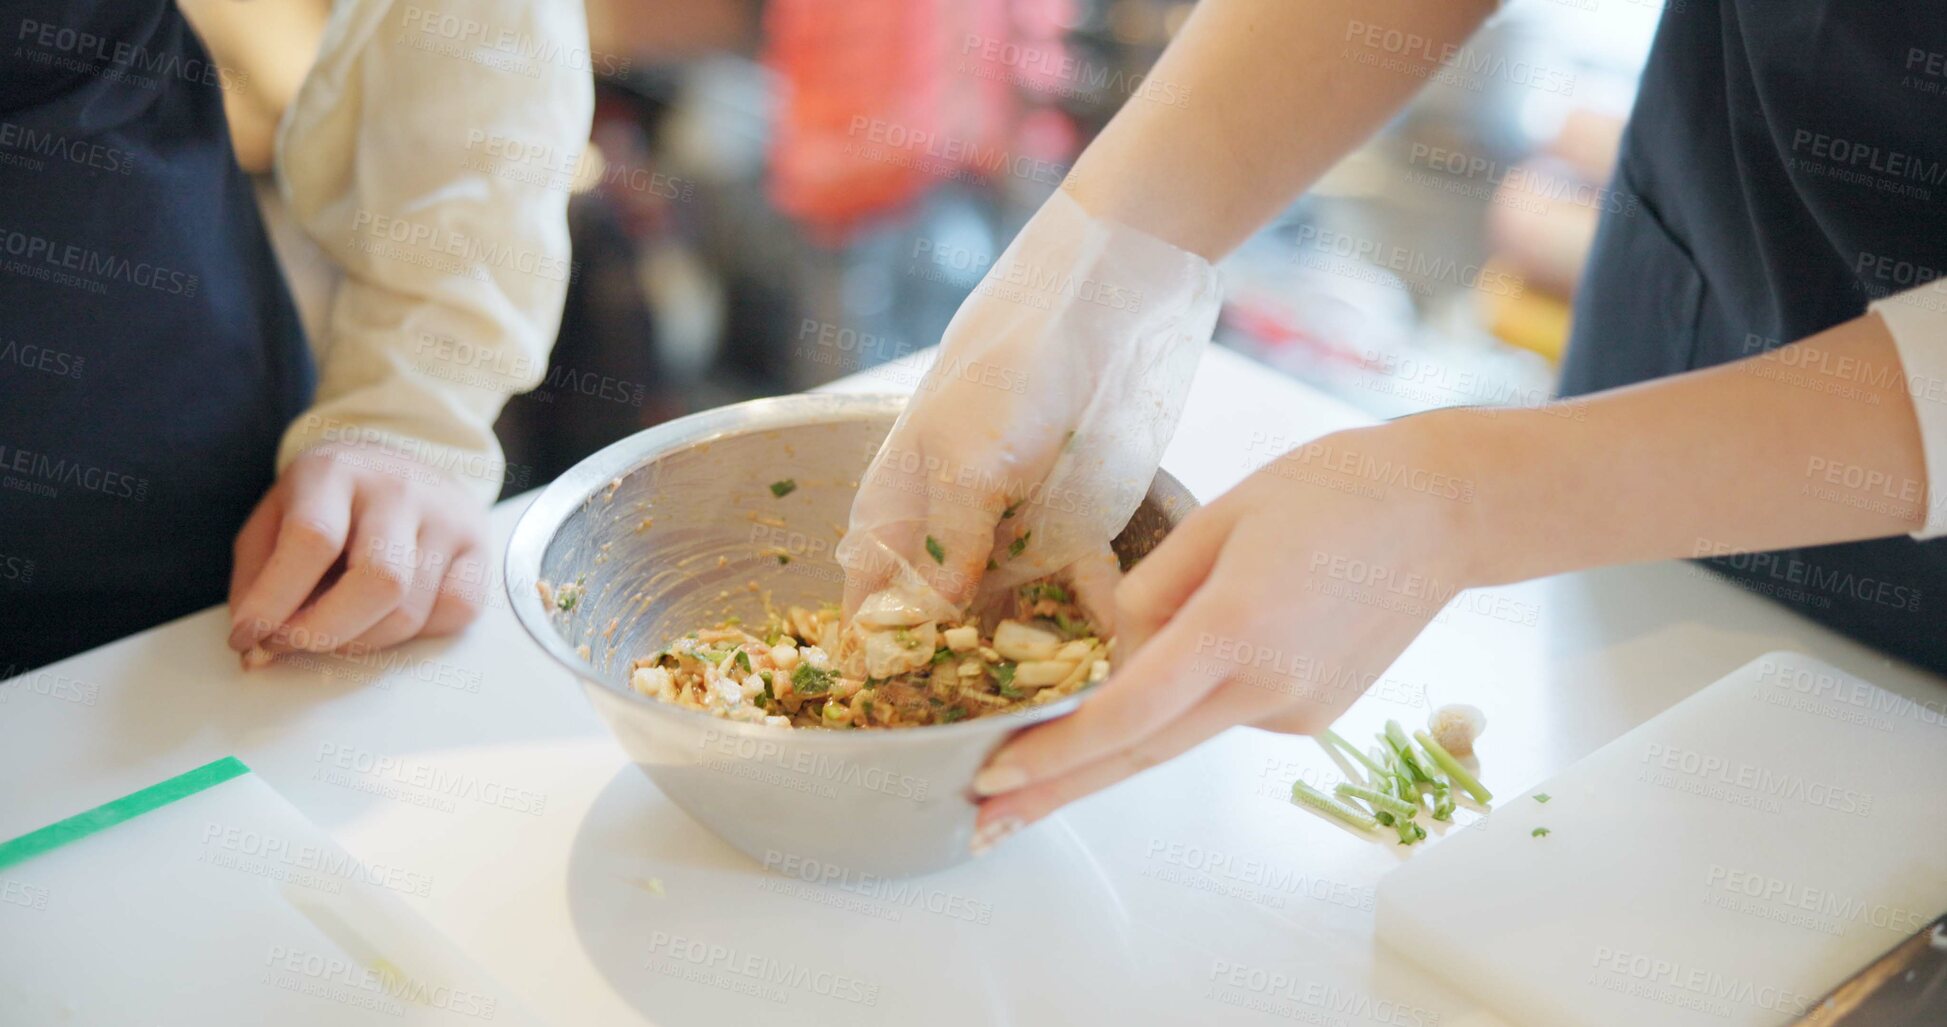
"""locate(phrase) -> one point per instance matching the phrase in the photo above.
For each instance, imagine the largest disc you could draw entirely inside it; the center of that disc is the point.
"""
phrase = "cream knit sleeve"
(429, 155)
(1917, 320)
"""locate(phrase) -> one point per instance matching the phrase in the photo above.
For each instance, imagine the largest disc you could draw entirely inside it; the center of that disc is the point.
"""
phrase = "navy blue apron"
(1790, 159)
(150, 355)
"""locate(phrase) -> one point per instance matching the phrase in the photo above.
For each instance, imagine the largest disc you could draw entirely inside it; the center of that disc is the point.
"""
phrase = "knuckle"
(313, 536)
(397, 626)
(389, 578)
(453, 614)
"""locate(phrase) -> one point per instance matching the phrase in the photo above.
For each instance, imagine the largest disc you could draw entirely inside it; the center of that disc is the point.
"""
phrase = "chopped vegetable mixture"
(802, 668)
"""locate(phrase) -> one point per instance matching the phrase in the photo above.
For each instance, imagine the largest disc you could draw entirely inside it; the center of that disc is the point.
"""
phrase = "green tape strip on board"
(128, 807)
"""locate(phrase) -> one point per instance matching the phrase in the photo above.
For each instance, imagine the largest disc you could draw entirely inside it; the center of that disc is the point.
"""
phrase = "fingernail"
(994, 833)
(255, 658)
(999, 780)
(240, 636)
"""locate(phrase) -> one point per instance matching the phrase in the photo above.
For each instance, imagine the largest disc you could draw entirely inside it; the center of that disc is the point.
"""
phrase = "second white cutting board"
(1724, 864)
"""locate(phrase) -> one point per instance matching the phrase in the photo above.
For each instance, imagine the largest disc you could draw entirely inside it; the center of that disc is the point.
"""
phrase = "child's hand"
(354, 547)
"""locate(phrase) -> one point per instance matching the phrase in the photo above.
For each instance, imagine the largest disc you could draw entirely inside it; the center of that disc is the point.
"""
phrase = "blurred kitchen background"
(781, 192)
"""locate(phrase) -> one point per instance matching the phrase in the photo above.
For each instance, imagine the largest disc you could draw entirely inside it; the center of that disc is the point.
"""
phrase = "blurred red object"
(882, 99)
(861, 92)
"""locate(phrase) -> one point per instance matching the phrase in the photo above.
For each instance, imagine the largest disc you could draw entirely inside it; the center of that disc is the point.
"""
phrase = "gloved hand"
(1034, 437)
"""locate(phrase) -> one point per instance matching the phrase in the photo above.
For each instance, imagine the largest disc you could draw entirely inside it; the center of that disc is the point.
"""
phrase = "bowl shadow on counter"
(651, 891)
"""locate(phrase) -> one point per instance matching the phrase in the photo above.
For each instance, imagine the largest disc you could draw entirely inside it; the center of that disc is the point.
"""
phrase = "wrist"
(1447, 466)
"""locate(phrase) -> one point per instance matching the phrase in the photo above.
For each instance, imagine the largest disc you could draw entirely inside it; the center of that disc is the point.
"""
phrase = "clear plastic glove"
(1034, 437)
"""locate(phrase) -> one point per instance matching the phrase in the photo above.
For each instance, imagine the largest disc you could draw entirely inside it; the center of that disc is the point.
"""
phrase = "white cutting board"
(1724, 864)
(228, 906)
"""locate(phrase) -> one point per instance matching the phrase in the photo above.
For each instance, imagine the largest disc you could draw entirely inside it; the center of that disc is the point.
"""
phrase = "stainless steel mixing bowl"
(677, 527)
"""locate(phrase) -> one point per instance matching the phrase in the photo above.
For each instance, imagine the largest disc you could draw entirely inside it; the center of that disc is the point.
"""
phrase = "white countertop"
(560, 869)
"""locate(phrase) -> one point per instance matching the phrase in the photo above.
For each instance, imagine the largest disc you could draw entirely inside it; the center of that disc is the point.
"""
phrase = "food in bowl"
(802, 668)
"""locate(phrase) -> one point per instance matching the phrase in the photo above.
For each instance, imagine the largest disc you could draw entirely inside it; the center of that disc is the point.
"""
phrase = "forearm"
(455, 256)
(1811, 444)
(1272, 93)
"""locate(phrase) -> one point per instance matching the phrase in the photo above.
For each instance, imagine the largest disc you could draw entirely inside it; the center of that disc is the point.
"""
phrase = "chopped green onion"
(809, 680)
(1016, 547)
(1539, 832)
(1011, 508)
(783, 558)
(1542, 796)
(1396, 738)
(1306, 795)
(935, 550)
(1453, 768)
(1377, 800)
(1409, 832)
(784, 487)
(743, 660)
(1443, 804)
(951, 714)
(1004, 681)
(1332, 737)
(1047, 590)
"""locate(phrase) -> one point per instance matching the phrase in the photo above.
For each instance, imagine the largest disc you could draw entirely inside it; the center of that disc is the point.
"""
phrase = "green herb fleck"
(1004, 681)
(935, 550)
(743, 660)
(1011, 508)
(991, 565)
(705, 654)
(809, 680)
(1542, 796)
(1047, 590)
(1539, 832)
(942, 654)
(784, 487)
(951, 714)
(1015, 547)
(783, 558)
